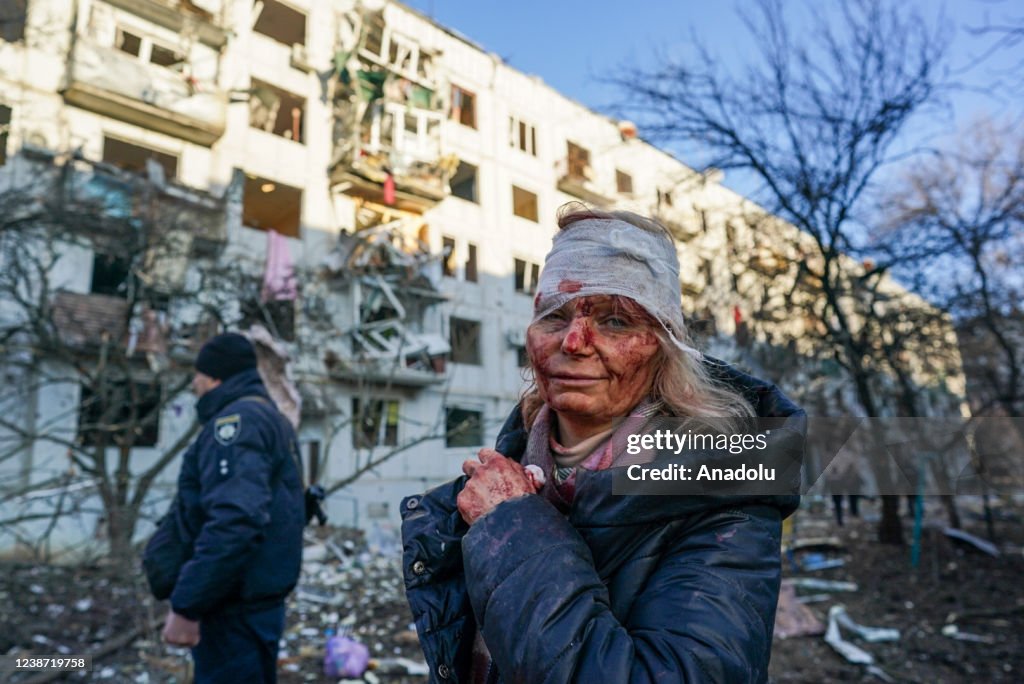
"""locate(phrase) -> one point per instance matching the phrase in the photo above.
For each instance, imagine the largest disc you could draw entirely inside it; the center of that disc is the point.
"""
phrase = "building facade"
(411, 182)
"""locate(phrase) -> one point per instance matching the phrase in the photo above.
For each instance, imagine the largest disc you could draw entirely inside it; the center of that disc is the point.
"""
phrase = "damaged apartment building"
(388, 190)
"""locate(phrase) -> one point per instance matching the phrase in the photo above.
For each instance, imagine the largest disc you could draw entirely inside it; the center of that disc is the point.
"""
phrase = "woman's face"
(594, 357)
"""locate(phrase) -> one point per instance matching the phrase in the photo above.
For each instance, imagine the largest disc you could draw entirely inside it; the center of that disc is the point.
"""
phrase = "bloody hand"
(492, 480)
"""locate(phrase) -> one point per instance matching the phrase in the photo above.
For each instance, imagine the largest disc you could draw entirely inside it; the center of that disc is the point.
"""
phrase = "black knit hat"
(225, 355)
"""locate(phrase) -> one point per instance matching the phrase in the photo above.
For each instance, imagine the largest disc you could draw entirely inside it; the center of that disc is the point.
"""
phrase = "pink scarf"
(560, 490)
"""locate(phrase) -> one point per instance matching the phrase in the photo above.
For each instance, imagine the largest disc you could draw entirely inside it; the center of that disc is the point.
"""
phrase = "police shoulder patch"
(227, 428)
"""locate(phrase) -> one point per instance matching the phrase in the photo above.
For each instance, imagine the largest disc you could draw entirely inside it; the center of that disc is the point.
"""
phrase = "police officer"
(229, 551)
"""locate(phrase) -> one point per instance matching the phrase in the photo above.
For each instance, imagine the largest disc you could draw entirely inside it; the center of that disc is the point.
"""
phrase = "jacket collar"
(245, 384)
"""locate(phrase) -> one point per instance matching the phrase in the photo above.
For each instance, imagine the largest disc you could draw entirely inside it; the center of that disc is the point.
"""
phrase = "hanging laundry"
(279, 276)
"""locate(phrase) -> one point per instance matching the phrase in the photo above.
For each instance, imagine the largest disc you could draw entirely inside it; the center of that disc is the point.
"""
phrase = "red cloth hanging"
(389, 190)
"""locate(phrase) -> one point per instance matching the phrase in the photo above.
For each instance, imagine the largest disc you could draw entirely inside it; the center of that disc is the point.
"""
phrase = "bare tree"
(1005, 28)
(814, 120)
(964, 209)
(123, 348)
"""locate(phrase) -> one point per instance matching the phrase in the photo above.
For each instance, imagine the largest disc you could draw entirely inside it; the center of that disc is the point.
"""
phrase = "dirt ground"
(77, 610)
(954, 584)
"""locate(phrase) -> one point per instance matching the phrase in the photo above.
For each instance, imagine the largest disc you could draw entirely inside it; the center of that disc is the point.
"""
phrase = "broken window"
(128, 42)
(623, 182)
(374, 423)
(132, 157)
(165, 57)
(12, 20)
(448, 250)
(5, 127)
(471, 274)
(119, 413)
(664, 198)
(110, 275)
(464, 339)
(281, 23)
(146, 49)
(526, 276)
(522, 136)
(463, 107)
(524, 203)
(269, 205)
(578, 161)
(277, 316)
(463, 427)
(463, 182)
(276, 111)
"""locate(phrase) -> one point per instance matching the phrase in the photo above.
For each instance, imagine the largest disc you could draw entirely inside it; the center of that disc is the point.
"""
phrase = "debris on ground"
(346, 584)
(977, 542)
(793, 618)
(954, 584)
(960, 615)
(821, 584)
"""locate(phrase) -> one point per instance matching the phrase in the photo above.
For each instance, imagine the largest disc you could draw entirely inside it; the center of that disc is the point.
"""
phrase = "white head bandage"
(611, 257)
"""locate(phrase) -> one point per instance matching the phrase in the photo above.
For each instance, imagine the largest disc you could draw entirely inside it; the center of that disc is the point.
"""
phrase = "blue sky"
(571, 43)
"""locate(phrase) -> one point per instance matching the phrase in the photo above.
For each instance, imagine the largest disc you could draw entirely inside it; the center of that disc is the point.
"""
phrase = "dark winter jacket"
(623, 589)
(232, 540)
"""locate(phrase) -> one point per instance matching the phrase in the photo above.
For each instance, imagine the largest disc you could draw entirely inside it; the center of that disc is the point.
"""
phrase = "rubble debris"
(869, 634)
(406, 666)
(837, 617)
(953, 632)
(275, 370)
(817, 544)
(344, 656)
(793, 619)
(977, 542)
(851, 652)
(818, 561)
(820, 584)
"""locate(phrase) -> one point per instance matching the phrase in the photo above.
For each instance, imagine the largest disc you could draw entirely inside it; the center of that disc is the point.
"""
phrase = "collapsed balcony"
(388, 119)
(130, 186)
(392, 282)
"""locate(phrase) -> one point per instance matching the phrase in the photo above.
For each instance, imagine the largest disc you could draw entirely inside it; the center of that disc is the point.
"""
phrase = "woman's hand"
(492, 480)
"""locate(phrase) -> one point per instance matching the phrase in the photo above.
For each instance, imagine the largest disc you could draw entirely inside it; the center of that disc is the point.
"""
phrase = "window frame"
(150, 436)
(623, 182)
(475, 433)
(457, 113)
(530, 216)
(526, 282)
(476, 357)
(255, 184)
(385, 432)
(475, 198)
(517, 128)
(287, 9)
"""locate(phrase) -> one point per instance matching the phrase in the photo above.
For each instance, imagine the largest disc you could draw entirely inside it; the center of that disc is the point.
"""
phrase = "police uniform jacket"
(621, 589)
(232, 540)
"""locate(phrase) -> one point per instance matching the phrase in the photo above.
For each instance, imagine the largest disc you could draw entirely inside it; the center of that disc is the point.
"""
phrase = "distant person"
(515, 577)
(837, 506)
(230, 548)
